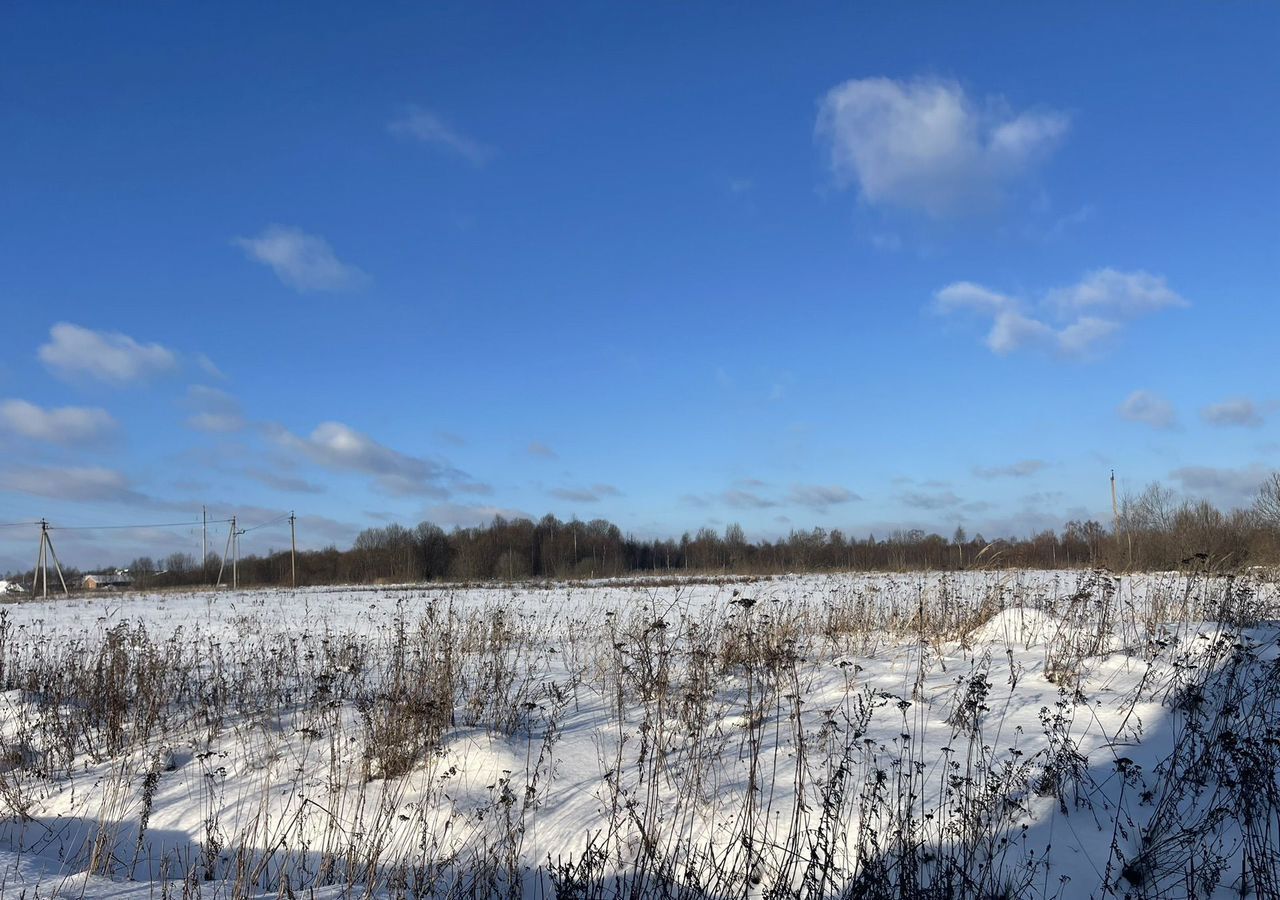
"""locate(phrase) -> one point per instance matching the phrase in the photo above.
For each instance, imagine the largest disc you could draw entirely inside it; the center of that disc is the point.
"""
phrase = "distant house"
(114, 581)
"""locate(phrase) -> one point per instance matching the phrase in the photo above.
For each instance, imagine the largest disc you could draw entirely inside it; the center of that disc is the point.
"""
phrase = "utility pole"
(204, 542)
(231, 550)
(293, 549)
(1115, 506)
(235, 555)
(42, 563)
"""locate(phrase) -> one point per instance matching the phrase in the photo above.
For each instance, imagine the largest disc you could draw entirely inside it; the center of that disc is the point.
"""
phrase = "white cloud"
(967, 295)
(1062, 321)
(1147, 408)
(1121, 293)
(63, 425)
(924, 145)
(1078, 338)
(109, 356)
(425, 126)
(305, 262)
(341, 448)
(1239, 411)
(1011, 330)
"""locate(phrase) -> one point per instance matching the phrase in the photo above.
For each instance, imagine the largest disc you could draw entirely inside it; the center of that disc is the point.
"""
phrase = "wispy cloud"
(479, 488)
(428, 128)
(593, 494)
(886, 241)
(740, 499)
(1148, 408)
(1020, 469)
(1070, 321)
(752, 493)
(313, 531)
(304, 262)
(925, 145)
(1227, 486)
(463, 516)
(819, 497)
(62, 425)
(213, 410)
(290, 484)
(1065, 223)
(78, 483)
(76, 352)
(541, 450)
(215, 422)
(208, 367)
(1236, 411)
(931, 501)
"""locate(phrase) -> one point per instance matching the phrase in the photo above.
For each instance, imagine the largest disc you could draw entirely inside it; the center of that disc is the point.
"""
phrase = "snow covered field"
(985, 734)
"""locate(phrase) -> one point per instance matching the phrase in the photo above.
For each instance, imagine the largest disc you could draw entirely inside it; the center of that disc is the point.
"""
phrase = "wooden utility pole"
(40, 563)
(293, 549)
(204, 542)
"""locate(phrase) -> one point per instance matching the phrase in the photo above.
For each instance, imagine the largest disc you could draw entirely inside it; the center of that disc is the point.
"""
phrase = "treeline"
(1154, 531)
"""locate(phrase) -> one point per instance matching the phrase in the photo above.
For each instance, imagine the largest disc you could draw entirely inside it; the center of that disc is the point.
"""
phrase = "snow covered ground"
(985, 734)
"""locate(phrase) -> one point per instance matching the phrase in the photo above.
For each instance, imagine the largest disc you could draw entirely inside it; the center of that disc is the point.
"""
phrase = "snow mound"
(1019, 626)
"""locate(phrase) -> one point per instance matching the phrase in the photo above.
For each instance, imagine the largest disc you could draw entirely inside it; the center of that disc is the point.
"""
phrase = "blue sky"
(675, 266)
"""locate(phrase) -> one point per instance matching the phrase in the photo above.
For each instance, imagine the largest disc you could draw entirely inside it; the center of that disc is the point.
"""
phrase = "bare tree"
(1267, 504)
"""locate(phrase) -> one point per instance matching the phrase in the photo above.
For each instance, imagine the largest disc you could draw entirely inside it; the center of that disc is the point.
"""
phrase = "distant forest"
(1154, 531)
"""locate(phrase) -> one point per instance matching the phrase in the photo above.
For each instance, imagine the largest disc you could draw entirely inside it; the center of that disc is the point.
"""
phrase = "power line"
(19, 524)
(281, 518)
(113, 527)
